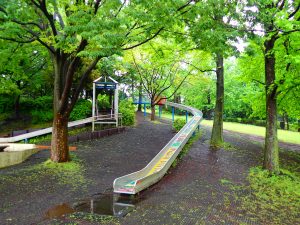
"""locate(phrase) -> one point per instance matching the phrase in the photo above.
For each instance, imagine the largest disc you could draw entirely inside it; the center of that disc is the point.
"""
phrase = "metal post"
(94, 104)
(173, 114)
(145, 113)
(186, 116)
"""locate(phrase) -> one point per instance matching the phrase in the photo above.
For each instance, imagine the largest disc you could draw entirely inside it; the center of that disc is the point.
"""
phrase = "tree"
(158, 78)
(77, 35)
(20, 66)
(210, 30)
(277, 19)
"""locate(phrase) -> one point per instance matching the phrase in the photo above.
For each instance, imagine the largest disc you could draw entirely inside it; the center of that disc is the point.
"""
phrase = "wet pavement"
(28, 192)
(193, 192)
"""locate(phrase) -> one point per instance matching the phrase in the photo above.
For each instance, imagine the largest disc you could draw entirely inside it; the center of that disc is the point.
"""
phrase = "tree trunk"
(17, 106)
(271, 156)
(140, 100)
(217, 130)
(152, 112)
(287, 121)
(59, 142)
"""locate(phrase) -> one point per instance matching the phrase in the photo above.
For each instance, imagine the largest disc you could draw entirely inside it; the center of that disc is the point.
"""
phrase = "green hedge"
(128, 112)
(178, 124)
(82, 109)
(40, 116)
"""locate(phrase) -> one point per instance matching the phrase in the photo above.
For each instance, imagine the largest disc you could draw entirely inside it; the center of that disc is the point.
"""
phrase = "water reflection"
(101, 204)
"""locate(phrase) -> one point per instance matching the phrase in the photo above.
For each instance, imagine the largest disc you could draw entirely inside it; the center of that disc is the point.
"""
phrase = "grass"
(269, 198)
(70, 174)
(283, 135)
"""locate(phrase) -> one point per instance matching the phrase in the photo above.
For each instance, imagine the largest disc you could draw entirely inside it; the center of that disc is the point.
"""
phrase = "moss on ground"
(70, 174)
(90, 217)
(269, 198)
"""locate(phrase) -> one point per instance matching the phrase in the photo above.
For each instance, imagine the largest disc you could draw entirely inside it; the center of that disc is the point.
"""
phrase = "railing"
(156, 169)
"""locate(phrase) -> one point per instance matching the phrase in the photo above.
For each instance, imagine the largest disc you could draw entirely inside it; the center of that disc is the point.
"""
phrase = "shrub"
(128, 112)
(178, 124)
(39, 116)
(82, 109)
(43, 103)
(6, 103)
(103, 102)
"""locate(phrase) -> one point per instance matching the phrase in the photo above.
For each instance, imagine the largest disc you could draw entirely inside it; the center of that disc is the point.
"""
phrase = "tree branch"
(81, 82)
(18, 41)
(295, 11)
(97, 4)
(145, 41)
(201, 70)
(260, 82)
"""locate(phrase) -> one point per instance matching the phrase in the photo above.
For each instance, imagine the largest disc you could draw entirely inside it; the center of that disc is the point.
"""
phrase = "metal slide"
(156, 169)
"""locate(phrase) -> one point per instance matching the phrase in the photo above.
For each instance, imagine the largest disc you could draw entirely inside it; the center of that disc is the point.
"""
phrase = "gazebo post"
(94, 106)
(116, 102)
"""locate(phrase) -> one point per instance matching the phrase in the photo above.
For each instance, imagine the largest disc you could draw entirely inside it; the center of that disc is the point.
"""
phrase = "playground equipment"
(113, 118)
(156, 169)
(146, 101)
(96, 118)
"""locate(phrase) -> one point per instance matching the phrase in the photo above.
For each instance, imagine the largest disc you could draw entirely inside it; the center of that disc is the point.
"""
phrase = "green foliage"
(278, 194)
(43, 103)
(103, 102)
(39, 116)
(128, 112)
(178, 124)
(82, 109)
(6, 103)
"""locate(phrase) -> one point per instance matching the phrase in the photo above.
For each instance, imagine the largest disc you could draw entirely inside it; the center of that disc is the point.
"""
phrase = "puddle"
(101, 204)
(58, 211)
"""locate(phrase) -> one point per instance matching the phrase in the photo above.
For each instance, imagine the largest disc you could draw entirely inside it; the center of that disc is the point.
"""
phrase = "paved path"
(27, 193)
(192, 192)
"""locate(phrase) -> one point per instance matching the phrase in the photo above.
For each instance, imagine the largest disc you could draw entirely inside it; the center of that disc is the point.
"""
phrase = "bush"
(128, 112)
(103, 102)
(44, 103)
(39, 116)
(6, 103)
(82, 109)
(178, 124)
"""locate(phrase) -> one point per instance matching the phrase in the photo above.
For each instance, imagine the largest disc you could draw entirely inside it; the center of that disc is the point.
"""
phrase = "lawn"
(283, 135)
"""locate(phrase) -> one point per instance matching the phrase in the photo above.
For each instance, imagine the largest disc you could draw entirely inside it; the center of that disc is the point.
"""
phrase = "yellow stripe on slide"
(162, 161)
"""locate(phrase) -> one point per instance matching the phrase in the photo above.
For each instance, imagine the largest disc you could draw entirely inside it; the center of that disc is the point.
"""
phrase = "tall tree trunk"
(217, 130)
(271, 156)
(17, 106)
(59, 141)
(152, 112)
(140, 99)
(286, 117)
